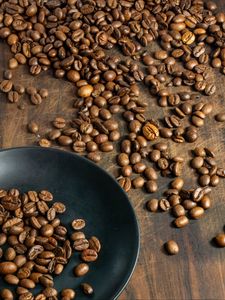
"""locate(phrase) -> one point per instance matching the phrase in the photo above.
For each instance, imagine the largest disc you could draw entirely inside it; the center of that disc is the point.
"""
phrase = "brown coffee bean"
(214, 180)
(50, 292)
(138, 182)
(59, 123)
(197, 162)
(164, 204)
(27, 283)
(78, 224)
(162, 163)
(171, 247)
(152, 205)
(150, 131)
(126, 171)
(220, 240)
(11, 279)
(10, 254)
(85, 91)
(7, 74)
(7, 268)
(178, 210)
(81, 244)
(181, 221)
(106, 147)
(177, 183)
(6, 86)
(33, 127)
(188, 204)
(95, 244)
(205, 202)
(68, 293)
(89, 255)
(81, 269)
(125, 183)
(44, 143)
(87, 288)
(123, 159)
(150, 173)
(204, 180)
(7, 294)
(220, 117)
(196, 212)
(36, 99)
(155, 155)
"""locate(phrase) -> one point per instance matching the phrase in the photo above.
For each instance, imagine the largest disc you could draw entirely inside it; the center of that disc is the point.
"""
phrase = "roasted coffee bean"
(7, 294)
(178, 210)
(94, 244)
(152, 205)
(6, 86)
(81, 270)
(87, 288)
(151, 186)
(197, 162)
(138, 182)
(196, 212)
(177, 183)
(220, 117)
(89, 255)
(33, 127)
(7, 268)
(44, 143)
(181, 221)
(220, 240)
(81, 244)
(205, 202)
(171, 247)
(68, 293)
(125, 183)
(78, 224)
(204, 180)
(164, 204)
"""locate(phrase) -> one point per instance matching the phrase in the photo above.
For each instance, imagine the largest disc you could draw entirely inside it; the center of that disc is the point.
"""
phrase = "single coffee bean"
(81, 269)
(171, 247)
(151, 186)
(6, 86)
(220, 240)
(78, 224)
(177, 183)
(196, 212)
(164, 204)
(138, 182)
(181, 221)
(188, 204)
(178, 210)
(7, 268)
(89, 255)
(205, 202)
(220, 117)
(152, 205)
(197, 162)
(68, 293)
(6, 294)
(94, 244)
(87, 288)
(33, 127)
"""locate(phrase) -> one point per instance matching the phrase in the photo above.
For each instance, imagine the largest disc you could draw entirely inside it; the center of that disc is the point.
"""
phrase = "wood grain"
(198, 271)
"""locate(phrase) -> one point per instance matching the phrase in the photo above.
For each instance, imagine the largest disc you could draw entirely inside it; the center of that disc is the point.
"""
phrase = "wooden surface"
(198, 271)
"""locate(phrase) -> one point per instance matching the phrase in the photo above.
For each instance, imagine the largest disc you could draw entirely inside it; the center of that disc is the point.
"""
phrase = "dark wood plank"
(198, 271)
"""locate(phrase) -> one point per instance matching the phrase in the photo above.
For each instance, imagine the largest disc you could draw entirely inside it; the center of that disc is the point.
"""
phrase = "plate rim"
(86, 160)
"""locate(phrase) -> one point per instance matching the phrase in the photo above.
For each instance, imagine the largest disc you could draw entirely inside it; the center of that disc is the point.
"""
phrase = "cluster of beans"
(35, 246)
(73, 36)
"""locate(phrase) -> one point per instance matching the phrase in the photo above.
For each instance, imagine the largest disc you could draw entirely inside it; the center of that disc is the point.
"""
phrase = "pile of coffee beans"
(35, 246)
(72, 37)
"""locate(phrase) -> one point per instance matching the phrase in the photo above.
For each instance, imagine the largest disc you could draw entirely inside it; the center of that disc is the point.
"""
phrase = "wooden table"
(198, 271)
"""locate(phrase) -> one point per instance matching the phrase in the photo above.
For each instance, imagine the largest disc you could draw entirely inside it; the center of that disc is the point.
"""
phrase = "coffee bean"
(171, 247)
(150, 131)
(214, 180)
(155, 155)
(164, 204)
(33, 127)
(81, 269)
(6, 86)
(125, 183)
(138, 182)
(7, 294)
(8, 74)
(68, 293)
(196, 212)
(139, 167)
(220, 240)
(205, 202)
(8, 268)
(123, 159)
(95, 244)
(181, 221)
(89, 255)
(220, 117)
(78, 224)
(178, 210)
(36, 99)
(85, 91)
(152, 205)
(87, 288)
(150, 174)
(197, 162)
(177, 183)
(204, 180)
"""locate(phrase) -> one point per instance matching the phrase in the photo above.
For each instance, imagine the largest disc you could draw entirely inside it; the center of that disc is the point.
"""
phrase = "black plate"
(90, 193)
